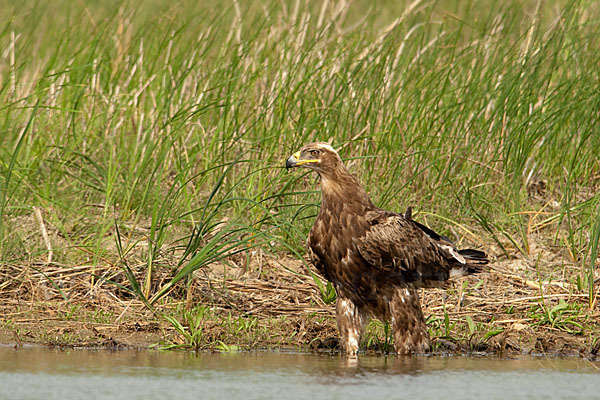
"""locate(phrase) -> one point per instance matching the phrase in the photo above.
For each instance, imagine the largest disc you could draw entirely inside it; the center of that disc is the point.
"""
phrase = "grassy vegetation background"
(152, 134)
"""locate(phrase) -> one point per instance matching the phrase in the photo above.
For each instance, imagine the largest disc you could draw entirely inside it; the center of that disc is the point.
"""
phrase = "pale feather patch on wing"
(454, 253)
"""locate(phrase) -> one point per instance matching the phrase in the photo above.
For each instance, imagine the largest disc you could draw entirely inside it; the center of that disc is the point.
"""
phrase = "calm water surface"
(40, 373)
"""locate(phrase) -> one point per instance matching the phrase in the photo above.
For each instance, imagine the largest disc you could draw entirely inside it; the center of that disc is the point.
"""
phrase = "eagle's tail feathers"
(474, 256)
(475, 260)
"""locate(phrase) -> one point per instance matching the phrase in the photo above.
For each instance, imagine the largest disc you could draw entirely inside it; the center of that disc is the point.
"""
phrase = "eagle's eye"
(314, 153)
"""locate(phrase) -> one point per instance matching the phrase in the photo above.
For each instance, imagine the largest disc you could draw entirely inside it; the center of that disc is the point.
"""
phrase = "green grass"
(225, 333)
(153, 135)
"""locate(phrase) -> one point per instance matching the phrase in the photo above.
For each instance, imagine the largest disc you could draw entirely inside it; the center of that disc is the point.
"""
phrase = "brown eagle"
(375, 259)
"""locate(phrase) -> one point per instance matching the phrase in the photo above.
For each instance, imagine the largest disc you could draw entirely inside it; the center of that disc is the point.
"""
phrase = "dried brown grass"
(284, 298)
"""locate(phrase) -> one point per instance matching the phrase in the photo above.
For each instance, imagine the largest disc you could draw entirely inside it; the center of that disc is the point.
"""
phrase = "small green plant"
(101, 316)
(441, 328)
(189, 326)
(470, 325)
(59, 338)
(70, 314)
(11, 326)
(227, 348)
(239, 326)
(433, 326)
(491, 333)
(476, 329)
(328, 294)
(378, 335)
(563, 316)
(245, 324)
(327, 291)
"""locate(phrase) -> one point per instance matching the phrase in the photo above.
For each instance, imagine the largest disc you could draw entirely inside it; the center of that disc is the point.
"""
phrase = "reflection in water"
(46, 373)
(350, 366)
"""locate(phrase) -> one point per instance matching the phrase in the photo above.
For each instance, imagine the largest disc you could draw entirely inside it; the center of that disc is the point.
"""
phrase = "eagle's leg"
(350, 320)
(408, 324)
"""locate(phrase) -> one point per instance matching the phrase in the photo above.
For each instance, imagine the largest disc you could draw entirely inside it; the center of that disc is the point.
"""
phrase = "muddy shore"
(501, 312)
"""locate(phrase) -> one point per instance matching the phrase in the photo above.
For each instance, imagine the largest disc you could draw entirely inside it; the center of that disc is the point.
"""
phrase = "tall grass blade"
(9, 169)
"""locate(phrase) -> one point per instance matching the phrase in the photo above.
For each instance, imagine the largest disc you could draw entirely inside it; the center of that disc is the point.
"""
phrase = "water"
(40, 373)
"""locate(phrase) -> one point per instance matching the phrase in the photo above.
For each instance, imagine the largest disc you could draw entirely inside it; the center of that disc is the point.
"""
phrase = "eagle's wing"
(422, 257)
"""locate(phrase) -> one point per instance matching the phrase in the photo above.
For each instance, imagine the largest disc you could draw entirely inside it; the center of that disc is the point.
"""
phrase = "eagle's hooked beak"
(294, 161)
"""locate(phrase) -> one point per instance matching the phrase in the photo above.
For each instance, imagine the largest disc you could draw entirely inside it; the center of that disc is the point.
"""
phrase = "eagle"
(375, 259)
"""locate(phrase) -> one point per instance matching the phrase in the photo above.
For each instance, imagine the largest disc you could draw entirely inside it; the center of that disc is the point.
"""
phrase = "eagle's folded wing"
(403, 246)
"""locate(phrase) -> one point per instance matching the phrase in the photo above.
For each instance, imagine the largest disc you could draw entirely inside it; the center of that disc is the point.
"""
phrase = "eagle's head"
(337, 184)
(319, 156)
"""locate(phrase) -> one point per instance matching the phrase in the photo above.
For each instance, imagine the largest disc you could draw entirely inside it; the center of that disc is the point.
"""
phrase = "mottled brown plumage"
(375, 259)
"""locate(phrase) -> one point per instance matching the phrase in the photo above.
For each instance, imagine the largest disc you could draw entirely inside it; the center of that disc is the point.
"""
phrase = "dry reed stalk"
(40, 220)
